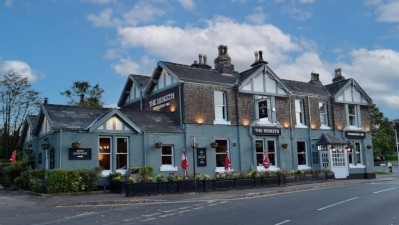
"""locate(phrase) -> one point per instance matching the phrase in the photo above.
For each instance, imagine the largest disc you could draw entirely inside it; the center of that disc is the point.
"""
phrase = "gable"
(353, 94)
(265, 82)
(113, 124)
(134, 92)
(163, 79)
(45, 126)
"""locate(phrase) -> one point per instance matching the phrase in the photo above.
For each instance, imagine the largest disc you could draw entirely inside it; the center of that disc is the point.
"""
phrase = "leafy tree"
(82, 93)
(382, 133)
(17, 100)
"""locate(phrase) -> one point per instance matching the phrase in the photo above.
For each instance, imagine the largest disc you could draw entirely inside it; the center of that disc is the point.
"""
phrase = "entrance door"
(339, 163)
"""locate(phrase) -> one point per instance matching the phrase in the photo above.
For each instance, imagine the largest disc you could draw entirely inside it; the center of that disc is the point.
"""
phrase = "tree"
(82, 93)
(17, 100)
(382, 133)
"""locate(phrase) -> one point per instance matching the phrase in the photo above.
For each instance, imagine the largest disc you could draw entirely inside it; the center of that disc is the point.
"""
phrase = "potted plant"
(158, 145)
(76, 145)
(284, 145)
(214, 145)
(45, 145)
(369, 146)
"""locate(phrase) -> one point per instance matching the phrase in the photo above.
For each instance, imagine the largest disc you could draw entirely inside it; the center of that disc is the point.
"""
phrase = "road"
(374, 203)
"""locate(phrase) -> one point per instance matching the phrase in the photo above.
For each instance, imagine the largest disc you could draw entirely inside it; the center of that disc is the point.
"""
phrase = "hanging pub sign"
(201, 156)
(262, 105)
(355, 134)
(272, 131)
(79, 154)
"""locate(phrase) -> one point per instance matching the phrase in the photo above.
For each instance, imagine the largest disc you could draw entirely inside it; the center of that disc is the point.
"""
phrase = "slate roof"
(152, 121)
(75, 117)
(33, 120)
(244, 75)
(302, 88)
(72, 117)
(335, 87)
(140, 79)
(200, 75)
(329, 139)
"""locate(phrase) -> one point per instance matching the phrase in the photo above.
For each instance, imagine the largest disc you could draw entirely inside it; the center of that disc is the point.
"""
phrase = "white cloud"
(258, 17)
(103, 19)
(125, 67)
(18, 67)
(142, 12)
(389, 12)
(183, 44)
(187, 4)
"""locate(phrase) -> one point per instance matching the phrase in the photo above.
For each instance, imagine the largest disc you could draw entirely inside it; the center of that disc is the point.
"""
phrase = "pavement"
(19, 198)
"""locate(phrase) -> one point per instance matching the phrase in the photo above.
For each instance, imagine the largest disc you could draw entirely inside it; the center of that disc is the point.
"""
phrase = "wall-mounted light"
(339, 126)
(313, 126)
(245, 122)
(172, 108)
(332, 148)
(286, 124)
(199, 120)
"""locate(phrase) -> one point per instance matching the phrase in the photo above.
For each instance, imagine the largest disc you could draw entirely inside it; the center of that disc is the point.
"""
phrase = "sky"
(57, 42)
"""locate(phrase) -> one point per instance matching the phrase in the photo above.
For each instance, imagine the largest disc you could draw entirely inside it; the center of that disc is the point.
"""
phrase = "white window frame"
(354, 115)
(323, 115)
(268, 119)
(356, 153)
(168, 167)
(300, 113)
(306, 165)
(220, 103)
(265, 146)
(121, 170)
(220, 169)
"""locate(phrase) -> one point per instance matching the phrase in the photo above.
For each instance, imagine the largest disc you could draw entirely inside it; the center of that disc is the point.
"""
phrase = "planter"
(369, 146)
(117, 187)
(158, 145)
(270, 181)
(76, 145)
(284, 146)
(330, 176)
(45, 146)
(137, 189)
(223, 184)
(244, 183)
(214, 145)
(208, 185)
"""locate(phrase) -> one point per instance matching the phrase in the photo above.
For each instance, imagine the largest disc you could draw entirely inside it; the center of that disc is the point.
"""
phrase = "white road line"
(376, 192)
(149, 219)
(337, 203)
(184, 211)
(151, 215)
(166, 215)
(83, 214)
(285, 221)
(213, 204)
(199, 207)
(186, 207)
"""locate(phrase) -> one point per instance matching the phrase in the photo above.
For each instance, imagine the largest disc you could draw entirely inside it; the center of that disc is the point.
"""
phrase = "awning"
(328, 139)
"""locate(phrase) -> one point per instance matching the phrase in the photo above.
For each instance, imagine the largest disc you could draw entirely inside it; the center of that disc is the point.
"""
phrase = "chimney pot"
(45, 101)
(200, 59)
(205, 58)
(256, 56)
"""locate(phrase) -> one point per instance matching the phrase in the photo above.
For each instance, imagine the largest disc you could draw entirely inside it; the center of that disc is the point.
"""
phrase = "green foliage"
(382, 133)
(60, 181)
(159, 178)
(391, 157)
(11, 172)
(83, 94)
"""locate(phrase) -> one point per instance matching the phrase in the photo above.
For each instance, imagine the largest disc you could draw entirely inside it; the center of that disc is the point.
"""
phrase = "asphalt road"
(339, 202)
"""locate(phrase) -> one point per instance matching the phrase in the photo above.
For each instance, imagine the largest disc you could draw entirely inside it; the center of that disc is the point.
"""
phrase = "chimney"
(259, 61)
(200, 59)
(223, 61)
(315, 79)
(338, 75)
(205, 57)
(202, 62)
(45, 101)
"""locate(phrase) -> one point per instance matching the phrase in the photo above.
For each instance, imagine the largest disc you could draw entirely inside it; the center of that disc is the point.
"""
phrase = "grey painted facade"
(249, 114)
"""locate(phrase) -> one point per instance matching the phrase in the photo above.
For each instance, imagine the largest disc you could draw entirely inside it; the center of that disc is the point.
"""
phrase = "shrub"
(11, 172)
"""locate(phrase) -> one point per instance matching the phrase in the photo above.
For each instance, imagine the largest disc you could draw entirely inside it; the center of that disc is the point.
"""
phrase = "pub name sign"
(273, 131)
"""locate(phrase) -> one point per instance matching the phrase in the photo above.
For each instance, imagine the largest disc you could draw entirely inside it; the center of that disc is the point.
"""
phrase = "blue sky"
(57, 42)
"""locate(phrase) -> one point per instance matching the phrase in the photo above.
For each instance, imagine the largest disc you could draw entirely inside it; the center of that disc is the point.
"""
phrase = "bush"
(391, 157)
(11, 172)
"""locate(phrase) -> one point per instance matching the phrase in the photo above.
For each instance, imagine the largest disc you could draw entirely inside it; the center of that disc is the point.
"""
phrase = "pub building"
(210, 113)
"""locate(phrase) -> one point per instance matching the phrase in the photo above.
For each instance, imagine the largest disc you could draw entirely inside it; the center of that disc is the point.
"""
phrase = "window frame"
(268, 119)
(303, 154)
(219, 162)
(220, 96)
(300, 113)
(353, 117)
(168, 167)
(323, 115)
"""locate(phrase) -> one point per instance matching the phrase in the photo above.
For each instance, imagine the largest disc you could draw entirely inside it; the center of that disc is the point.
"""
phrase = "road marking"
(199, 207)
(338, 203)
(285, 221)
(186, 207)
(184, 211)
(149, 219)
(376, 192)
(166, 215)
(83, 214)
(151, 215)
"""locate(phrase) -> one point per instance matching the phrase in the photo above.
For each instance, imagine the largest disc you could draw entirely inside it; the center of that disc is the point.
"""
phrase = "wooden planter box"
(223, 184)
(117, 187)
(137, 189)
(270, 181)
(330, 176)
(208, 185)
(190, 186)
(162, 188)
(244, 183)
